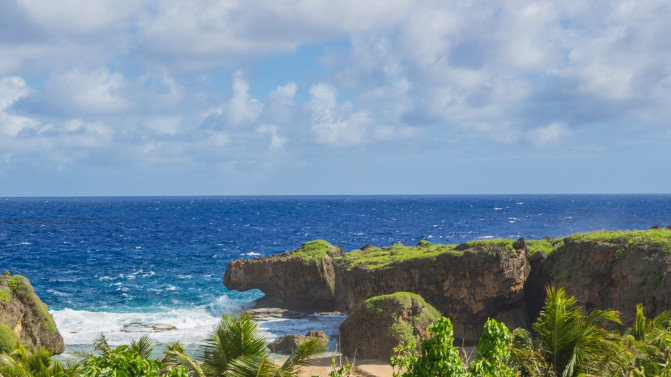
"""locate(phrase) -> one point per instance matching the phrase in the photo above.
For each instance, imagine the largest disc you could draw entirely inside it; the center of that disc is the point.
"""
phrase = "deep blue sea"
(107, 264)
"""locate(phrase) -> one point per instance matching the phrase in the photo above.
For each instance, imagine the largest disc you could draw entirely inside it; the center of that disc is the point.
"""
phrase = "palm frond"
(302, 354)
(176, 355)
(143, 346)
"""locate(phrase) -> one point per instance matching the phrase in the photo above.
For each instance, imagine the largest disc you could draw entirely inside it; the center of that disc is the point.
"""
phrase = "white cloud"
(80, 16)
(11, 90)
(276, 140)
(93, 92)
(332, 123)
(241, 108)
(549, 135)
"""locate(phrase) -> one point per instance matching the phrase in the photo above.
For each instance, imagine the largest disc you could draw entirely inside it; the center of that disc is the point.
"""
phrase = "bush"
(8, 339)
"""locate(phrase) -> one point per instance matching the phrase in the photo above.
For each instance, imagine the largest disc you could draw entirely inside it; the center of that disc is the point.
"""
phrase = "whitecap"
(497, 208)
(252, 254)
(26, 243)
(486, 237)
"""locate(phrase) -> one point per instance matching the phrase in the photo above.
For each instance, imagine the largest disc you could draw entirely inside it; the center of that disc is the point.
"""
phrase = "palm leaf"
(176, 355)
(143, 346)
(301, 355)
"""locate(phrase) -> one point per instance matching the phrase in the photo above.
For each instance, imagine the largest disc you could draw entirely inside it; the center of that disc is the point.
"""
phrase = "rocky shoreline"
(471, 282)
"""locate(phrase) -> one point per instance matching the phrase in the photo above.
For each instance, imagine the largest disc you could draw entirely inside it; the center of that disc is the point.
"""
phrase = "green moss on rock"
(546, 245)
(383, 322)
(371, 257)
(8, 339)
(4, 295)
(312, 251)
(645, 239)
(21, 287)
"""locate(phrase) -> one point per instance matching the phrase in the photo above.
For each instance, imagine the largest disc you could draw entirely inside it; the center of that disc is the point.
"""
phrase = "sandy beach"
(321, 366)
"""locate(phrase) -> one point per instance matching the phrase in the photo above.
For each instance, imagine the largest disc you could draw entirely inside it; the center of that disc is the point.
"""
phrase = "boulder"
(25, 316)
(288, 343)
(383, 322)
(301, 280)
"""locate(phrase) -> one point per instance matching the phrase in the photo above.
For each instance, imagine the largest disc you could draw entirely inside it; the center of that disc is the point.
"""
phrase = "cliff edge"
(22, 312)
(303, 279)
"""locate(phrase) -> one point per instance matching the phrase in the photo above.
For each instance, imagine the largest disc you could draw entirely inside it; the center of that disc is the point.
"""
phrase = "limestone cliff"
(22, 311)
(472, 282)
(299, 280)
(611, 270)
(468, 283)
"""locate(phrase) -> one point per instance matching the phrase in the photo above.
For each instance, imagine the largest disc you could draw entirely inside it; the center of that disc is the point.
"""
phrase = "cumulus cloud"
(333, 123)
(11, 90)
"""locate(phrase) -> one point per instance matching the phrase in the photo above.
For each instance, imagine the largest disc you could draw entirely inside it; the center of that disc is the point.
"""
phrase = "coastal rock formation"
(22, 312)
(299, 280)
(288, 343)
(474, 281)
(468, 283)
(381, 323)
(616, 270)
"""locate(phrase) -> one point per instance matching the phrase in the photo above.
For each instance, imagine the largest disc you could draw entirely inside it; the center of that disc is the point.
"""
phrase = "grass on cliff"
(8, 339)
(546, 245)
(312, 251)
(21, 287)
(645, 239)
(372, 257)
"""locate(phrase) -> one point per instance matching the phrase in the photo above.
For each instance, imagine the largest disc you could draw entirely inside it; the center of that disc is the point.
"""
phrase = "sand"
(321, 366)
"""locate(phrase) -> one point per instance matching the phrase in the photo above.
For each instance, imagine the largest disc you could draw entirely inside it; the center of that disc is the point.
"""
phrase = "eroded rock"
(383, 322)
(22, 311)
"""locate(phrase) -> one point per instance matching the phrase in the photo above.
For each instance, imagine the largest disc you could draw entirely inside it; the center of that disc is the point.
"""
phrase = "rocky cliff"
(472, 282)
(22, 311)
(611, 270)
(303, 279)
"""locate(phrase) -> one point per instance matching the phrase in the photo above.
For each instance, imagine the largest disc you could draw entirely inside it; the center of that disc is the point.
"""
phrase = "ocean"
(128, 266)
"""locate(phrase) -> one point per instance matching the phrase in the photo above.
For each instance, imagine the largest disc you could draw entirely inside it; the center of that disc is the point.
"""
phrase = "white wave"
(486, 237)
(497, 208)
(26, 243)
(80, 328)
(252, 254)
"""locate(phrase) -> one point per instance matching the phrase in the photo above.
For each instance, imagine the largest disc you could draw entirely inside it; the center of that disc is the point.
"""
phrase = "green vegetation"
(546, 245)
(490, 245)
(21, 287)
(378, 257)
(236, 349)
(4, 295)
(651, 239)
(312, 251)
(8, 339)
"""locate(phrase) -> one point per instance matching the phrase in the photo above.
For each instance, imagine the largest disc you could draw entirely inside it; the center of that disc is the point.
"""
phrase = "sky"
(311, 97)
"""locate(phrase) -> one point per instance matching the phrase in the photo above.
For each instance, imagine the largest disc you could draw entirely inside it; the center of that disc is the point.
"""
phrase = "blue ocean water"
(107, 264)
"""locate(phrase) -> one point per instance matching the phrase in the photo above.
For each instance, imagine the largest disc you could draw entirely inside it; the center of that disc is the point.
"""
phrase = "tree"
(574, 343)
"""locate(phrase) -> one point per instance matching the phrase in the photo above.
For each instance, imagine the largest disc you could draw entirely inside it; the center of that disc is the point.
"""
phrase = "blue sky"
(179, 97)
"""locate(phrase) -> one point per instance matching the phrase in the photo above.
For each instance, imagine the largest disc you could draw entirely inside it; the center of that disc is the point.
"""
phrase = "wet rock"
(288, 343)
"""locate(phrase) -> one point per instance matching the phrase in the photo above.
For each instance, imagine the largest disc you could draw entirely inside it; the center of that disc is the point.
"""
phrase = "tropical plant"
(23, 362)
(648, 344)
(493, 352)
(571, 342)
(237, 348)
(437, 357)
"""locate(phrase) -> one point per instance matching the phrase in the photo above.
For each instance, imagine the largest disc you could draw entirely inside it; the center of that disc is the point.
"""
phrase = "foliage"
(21, 362)
(378, 257)
(648, 344)
(236, 348)
(493, 352)
(8, 339)
(4, 295)
(312, 251)
(575, 343)
(345, 370)
(21, 287)
(123, 361)
(438, 357)
(650, 239)
(545, 245)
